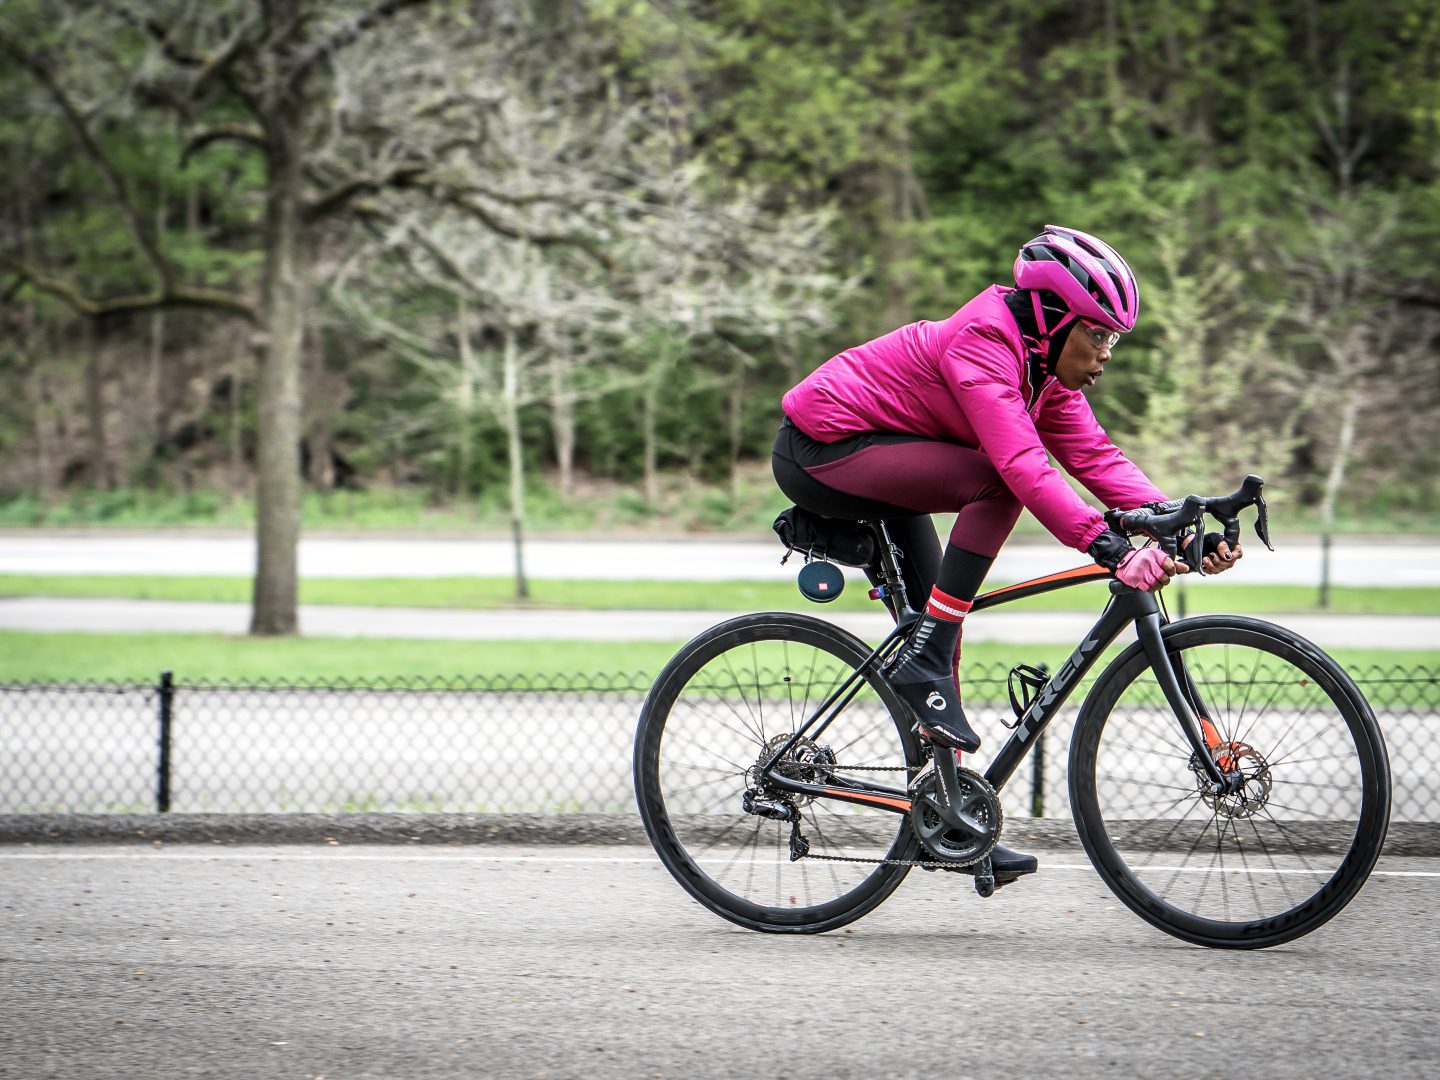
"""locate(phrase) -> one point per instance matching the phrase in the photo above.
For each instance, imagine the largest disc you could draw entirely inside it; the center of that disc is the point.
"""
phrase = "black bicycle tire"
(1354, 869)
(805, 629)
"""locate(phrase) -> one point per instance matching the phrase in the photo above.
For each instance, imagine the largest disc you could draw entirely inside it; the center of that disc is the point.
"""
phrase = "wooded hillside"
(428, 243)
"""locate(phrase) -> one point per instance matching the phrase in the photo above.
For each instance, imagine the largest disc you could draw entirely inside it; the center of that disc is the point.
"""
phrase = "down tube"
(1122, 609)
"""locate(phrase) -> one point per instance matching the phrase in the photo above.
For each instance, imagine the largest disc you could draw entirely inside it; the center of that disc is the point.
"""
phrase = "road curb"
(1407, 838)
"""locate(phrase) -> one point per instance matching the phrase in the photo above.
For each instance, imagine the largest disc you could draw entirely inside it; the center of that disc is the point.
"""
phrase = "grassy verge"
(1199, 596)
(80, 657)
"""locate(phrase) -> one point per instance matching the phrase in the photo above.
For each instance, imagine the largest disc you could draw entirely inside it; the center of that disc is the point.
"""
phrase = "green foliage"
(1219, 145)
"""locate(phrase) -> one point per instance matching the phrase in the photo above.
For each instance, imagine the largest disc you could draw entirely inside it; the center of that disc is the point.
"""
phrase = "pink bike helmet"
(1087, 274)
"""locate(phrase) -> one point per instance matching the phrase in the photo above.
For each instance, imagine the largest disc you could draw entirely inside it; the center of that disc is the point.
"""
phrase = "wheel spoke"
(732, 705)
(1250, 865)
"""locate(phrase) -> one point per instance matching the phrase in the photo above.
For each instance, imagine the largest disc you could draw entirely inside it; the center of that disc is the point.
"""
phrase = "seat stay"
(834, 704)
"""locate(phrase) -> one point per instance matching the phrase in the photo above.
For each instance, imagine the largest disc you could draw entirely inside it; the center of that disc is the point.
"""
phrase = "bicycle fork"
(1185, 703)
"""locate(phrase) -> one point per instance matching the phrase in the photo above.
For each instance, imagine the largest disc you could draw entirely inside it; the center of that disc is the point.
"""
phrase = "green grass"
(1200, 596)
(80, 657)
(687, 502)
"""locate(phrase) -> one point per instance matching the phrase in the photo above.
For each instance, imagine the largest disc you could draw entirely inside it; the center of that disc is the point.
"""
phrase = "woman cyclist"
(959, 416)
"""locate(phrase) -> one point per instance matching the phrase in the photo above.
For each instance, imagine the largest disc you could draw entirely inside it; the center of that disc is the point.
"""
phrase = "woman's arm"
(1068, 427)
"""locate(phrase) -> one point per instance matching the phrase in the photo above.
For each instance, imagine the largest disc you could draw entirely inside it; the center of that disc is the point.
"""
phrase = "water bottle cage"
(1032, 681)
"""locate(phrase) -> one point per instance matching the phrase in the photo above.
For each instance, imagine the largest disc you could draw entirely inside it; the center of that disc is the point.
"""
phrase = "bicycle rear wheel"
(1263, 865)
(728, 700)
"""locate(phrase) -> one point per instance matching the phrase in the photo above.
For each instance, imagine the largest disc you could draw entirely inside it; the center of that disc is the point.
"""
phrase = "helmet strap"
(1058, 337)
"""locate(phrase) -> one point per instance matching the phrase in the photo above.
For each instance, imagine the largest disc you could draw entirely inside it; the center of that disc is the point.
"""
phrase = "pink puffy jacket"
(966, 380)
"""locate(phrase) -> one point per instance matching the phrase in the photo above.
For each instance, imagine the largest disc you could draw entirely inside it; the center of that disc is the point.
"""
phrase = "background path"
(1354, 562)
(1026, 627)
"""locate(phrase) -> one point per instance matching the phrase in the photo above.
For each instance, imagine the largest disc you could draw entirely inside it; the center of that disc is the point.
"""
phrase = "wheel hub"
(1253, 793)
(807, 761)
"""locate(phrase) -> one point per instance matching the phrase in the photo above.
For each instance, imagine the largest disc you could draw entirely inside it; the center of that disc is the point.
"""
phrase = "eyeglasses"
(1100, 337)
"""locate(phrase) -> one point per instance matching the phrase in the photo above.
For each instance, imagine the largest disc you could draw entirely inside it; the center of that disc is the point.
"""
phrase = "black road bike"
(1227, 779)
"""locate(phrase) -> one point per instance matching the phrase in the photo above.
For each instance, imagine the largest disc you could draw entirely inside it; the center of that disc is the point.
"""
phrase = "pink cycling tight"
(899, 479)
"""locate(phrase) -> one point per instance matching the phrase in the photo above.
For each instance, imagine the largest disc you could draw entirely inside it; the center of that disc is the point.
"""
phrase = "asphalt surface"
(357, 962)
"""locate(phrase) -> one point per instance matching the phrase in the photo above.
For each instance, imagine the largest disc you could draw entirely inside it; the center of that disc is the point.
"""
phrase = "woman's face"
(1083, 358)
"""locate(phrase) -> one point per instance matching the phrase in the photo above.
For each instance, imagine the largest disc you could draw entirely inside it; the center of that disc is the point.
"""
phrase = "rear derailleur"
(777, 808)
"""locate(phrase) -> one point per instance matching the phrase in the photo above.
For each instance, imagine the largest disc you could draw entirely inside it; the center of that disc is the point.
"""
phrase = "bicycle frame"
(1126, 605)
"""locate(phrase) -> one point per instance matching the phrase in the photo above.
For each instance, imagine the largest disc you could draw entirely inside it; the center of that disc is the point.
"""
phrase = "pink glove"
(1142, 569)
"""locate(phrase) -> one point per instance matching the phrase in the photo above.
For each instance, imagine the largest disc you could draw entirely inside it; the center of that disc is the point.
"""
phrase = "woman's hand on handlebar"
(1222, 558)
(1149, 569)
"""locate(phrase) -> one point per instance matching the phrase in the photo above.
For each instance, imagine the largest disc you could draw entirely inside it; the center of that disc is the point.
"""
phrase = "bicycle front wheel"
(728, 701)
(1265, 864)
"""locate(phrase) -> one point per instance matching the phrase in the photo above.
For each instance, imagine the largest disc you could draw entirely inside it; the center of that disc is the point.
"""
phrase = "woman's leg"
(902, 479)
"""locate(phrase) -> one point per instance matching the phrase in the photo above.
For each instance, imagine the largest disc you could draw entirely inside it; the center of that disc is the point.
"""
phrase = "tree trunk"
(237, 451)
(465, 403)
(1334, 481)
(650, 407)
(153, 426)
(154, 387)
(562, 413)
(897, 209)
(319, 398)
(44, 438)
(736, 422)
(278, 397)
(100, 474)
(511, 418)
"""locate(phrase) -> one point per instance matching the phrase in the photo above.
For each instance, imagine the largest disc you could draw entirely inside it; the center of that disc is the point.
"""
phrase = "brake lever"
(1262, 521)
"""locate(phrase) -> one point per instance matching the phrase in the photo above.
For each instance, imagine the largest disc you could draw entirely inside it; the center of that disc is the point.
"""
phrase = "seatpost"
(894, 581)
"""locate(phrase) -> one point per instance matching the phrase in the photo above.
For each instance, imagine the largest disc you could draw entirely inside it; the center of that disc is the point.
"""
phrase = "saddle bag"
(824, 539)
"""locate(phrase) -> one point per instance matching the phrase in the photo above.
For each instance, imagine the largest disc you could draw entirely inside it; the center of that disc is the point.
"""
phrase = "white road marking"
(551, 860)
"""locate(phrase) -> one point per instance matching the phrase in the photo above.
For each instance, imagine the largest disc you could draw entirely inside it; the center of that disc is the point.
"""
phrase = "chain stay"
(909, 769)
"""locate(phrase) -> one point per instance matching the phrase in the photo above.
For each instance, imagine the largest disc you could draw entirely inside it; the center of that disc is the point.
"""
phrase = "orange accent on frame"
(1079, 573)
(848, 795)
(1212, 735)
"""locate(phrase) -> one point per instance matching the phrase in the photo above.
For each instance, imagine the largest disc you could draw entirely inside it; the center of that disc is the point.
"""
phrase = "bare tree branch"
(219, 63)
(139, 231)
(241, 133)
(540, 239)
(339, 195)
(172, 296)
(345, 35)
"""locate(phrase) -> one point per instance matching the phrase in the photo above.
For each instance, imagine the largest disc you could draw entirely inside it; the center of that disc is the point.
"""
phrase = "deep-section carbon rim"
(1263, 865)
(727, 696)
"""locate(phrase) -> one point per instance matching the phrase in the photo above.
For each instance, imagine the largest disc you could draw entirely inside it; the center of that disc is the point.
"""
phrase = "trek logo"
(935, 701)
(1052, 689)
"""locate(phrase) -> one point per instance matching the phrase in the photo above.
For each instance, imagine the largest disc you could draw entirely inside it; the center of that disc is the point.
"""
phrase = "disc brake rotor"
(807, 761)
(1252, 795)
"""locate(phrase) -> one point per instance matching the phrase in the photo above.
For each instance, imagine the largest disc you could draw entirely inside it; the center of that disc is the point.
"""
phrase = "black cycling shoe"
(1006, 865)
(952, 731)
(930, 692)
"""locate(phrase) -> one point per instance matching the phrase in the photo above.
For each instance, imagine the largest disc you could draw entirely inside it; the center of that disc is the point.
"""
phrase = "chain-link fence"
(489, 745)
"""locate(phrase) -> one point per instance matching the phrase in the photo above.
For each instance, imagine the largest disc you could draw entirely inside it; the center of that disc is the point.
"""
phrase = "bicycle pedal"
(984, 878)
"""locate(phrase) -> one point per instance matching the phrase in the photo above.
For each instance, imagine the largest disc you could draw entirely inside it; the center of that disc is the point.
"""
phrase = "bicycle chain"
(913, 770)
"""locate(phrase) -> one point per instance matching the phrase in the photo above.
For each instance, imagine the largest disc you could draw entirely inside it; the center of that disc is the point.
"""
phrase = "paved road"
(1354, 563)
(104, 615)
(590, 962)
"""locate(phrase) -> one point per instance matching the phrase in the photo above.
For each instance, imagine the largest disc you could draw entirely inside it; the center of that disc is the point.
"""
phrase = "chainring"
(979, 806)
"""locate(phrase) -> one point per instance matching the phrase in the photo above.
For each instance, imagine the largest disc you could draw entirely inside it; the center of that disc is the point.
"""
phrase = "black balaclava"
(1020, 306)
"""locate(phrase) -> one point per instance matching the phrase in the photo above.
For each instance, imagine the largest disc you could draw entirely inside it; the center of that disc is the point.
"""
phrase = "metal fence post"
(1037, 769)
(167, 707)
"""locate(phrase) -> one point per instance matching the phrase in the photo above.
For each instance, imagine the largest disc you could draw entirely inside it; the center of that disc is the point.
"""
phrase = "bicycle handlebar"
(1165, 522)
